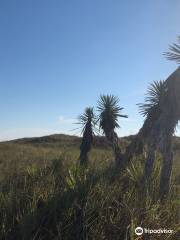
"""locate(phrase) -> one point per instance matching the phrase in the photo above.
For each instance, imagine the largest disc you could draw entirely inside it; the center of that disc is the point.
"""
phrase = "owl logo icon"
(139, 231)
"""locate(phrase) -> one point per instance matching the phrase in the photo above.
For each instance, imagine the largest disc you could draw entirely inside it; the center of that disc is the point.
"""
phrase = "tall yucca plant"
(87, 121)
(174, 53)
(151, 109)
(109, 112)
(154, 97)
(158, 129)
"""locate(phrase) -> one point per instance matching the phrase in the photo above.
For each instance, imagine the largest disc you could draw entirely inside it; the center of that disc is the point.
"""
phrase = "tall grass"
(55, 198)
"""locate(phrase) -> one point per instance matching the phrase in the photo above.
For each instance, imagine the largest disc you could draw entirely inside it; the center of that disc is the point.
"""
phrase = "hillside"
(58, 140)
(63, 139)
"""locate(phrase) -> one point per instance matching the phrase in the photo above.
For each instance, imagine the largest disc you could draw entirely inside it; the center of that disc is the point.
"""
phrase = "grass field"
(45, 194)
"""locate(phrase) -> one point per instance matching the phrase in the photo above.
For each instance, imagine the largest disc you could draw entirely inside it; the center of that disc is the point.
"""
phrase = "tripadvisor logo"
(139, 231)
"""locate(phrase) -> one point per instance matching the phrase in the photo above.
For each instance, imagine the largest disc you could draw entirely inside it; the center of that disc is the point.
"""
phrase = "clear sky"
(58, 56)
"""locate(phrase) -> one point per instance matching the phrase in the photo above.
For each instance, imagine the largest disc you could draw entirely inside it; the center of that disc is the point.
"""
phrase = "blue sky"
(58, 56)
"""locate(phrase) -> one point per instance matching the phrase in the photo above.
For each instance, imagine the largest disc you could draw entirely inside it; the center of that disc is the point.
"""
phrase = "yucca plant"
(152, 107)
(109, 112)
(172, 116)
(151, 110)
(155, 94)
(158, 129)
(174, 53)
(87, 121)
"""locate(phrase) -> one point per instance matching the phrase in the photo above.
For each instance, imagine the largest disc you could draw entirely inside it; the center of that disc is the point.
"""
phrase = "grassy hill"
(46, 195)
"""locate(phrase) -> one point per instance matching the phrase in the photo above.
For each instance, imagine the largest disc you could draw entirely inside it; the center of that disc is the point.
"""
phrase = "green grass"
(46, 195)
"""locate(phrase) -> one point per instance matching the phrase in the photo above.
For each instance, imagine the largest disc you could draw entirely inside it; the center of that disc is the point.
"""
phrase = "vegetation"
(152, 110)
(46, 195)
(87, 122)
(109, 109)
(174, 53)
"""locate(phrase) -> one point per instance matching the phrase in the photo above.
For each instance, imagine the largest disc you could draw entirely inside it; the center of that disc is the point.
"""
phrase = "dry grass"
(46, 195)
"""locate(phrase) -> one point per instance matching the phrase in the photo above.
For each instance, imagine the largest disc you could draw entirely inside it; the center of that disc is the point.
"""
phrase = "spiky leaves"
(158, 129)
(109, 112)
(87, 121)
(174, 53)
(109, 109)
(149, 133)
(154, 97)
